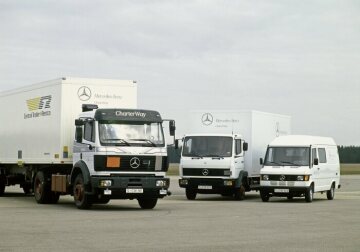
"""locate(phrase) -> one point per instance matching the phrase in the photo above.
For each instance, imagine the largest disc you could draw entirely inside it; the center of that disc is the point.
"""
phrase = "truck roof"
(302, 140)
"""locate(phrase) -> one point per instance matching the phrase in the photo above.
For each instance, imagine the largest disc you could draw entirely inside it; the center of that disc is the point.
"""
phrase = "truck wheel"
(147, 203)
(264, 196)
(42, 191)
(81, 199)
(2, 185)
(331, 193)
(309, 194)
(190, 194)
(239, 193)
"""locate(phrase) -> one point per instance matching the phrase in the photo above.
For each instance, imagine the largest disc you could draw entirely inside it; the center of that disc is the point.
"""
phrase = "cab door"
(238, 156)
(315, 168)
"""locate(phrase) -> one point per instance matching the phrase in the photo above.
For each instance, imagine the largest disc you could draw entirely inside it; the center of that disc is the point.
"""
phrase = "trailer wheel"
(331, 193)
(309, 194)
(147, 203)
(82, 200)
(2, 184)
(190, 194)
(264, 196)
(42, 191)
(239, 193)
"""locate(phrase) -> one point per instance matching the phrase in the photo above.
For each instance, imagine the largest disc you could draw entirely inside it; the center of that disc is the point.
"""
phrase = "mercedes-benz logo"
(84, 93)
(205, 172)
(282, 177)
(207, 119)
(134, 162)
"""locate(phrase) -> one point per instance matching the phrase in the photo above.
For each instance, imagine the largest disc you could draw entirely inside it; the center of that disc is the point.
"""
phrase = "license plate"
(107, 192)
(205, 187)
(281, 190)
(134, 190)
(163, 192)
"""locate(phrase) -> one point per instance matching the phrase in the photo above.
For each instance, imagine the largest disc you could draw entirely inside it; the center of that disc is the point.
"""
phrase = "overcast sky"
(300, 58)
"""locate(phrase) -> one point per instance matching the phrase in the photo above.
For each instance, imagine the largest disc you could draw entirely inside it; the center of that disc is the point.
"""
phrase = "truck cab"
(119, 154)
(298, 166)
(213, 164)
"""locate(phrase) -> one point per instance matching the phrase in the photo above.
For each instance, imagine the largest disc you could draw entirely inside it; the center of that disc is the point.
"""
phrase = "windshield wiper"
(118, 139)
(146, 140)
(286, 162)
(271, 162)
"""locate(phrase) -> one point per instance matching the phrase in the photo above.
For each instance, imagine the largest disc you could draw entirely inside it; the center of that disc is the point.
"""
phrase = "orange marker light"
(113, 162)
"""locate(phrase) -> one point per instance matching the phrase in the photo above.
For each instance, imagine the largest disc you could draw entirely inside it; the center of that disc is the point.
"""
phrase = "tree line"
(347, 154)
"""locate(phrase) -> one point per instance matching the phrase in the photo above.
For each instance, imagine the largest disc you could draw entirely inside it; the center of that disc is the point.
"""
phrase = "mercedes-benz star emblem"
(84, 93)
(134, 162)
(205, 172)
(207, 119)
(282, 177)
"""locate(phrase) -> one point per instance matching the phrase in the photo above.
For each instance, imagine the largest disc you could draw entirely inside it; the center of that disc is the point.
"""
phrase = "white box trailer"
(209, 173)
(39, 124)
(37, 121)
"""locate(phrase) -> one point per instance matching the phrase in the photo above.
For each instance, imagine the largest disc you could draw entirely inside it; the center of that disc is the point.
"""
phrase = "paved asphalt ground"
(210, 223)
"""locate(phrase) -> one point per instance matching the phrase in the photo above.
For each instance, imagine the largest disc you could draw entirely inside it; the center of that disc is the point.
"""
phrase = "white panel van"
(297, 166)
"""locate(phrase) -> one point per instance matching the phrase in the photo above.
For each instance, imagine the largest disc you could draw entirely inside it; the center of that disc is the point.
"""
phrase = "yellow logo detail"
(33, 104)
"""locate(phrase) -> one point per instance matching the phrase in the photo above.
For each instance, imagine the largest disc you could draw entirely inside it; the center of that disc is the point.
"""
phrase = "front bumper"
(284, 190)
(129, 187)
(209, 185)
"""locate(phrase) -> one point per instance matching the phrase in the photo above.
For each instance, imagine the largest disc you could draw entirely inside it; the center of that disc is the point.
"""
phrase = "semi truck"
(83, 137)
(222, 154)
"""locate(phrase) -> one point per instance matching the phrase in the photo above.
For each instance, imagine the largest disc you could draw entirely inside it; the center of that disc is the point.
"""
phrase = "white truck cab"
(297, 165)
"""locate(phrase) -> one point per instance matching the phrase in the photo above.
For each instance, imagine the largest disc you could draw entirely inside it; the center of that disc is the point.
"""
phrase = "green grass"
(345, 169)
(348, 169)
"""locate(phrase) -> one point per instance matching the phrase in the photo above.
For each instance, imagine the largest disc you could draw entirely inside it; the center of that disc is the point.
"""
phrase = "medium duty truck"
(298, 166)
(221, 155)
(83, 137)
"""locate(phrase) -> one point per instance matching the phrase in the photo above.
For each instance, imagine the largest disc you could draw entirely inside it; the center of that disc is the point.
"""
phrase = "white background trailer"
(37, 121)
(257, 128)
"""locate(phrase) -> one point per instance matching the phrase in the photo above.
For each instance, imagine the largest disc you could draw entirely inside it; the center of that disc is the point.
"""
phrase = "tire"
(42, 192)
(147, 203)
(2, 185)
(81, 199)
(331, 193)
(309, 194)
(264, 196)
(239, 193)
(190, 194)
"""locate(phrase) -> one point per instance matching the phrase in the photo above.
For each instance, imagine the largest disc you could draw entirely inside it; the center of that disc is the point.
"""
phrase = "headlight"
(265, 177)
(105, 183)
(300, 178)
(228, 182)
(306, 177)
(183, 182)
(161, 183)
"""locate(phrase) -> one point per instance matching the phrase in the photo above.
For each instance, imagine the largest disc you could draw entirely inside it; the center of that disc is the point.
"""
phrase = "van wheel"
(309, 194)
(264, 196)
(42, 191)
(81, 199)
(331, 193)
(147, 203)
(240, 193)
(190, 194)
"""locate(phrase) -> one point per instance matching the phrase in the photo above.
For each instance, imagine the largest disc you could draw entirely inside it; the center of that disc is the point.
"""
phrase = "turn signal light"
(113, 162)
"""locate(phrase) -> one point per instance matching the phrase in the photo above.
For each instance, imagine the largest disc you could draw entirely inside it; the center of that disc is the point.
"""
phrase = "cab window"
(89, 131)
(237, 146)
(322, 155)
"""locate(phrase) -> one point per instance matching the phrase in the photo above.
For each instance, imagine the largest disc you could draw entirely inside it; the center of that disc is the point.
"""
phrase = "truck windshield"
(131, 134)
(287, 156)
(207, 146)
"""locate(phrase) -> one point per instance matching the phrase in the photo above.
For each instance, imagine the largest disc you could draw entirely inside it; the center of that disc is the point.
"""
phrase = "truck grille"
(206, 172)
(132, 163)
(283, 177)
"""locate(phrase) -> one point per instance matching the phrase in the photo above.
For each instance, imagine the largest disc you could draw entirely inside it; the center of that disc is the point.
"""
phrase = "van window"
(89, 133)
(314, 154)
(322, 155)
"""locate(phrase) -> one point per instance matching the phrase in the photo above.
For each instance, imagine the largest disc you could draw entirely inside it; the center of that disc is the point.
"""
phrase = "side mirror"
(245, 146)
(172, 127)
(316, 161)
(78, 134)
(79, 122)
(261, 161)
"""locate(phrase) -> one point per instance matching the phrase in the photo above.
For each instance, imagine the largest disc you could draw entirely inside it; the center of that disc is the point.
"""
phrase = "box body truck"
(222, 153)
(298, 166)
(55, 141)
